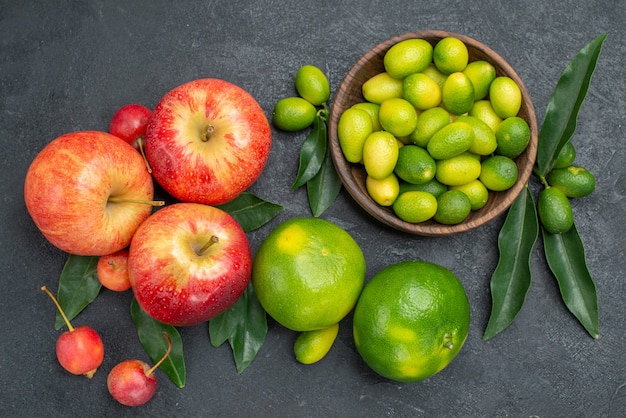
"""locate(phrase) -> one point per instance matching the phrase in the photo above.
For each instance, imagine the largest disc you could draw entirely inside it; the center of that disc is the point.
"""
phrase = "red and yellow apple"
(188, 263)
(207, 141)
(88, 192)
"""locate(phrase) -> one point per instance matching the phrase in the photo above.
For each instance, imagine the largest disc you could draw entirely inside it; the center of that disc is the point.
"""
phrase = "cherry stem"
(206, 133)
(113, 199)
(143, 154)
(167, 353)
(56, 302)
(214, 240)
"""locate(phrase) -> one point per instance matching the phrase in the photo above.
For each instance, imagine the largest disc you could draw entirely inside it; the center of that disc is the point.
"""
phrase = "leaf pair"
(564, 253)
(316, 168)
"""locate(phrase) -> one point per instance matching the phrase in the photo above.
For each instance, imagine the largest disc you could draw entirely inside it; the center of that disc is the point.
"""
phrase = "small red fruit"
(129, 123)
(132, 382)
(79, 350)
(113, 271)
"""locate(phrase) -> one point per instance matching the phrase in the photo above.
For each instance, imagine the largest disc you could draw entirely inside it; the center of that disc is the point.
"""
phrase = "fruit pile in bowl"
(433, 133)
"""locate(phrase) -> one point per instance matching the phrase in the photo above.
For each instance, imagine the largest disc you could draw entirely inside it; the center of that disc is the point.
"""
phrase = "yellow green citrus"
(421, 91)
(308, 273)
(453, 139)
(429, 122)
(381, 87)
(481, 73)
(457, 94)
(380, 154)
(433, 187)
(407, 57)
(450, 55)
(397, 116)
(415, 165)
(458, 170)
(512, 136)
(505, 97)
(372, 109)
(312, 84)
(453, 207)
(555, 211)
(476, 192)
(293, 114)
(566, 156)
(573, 181)
(483, 110)
(484, 138)
(415, 206)
(311, 346)
(385, 191)
(353, 128)
(411, 320)
(434, 73)
(498, 173)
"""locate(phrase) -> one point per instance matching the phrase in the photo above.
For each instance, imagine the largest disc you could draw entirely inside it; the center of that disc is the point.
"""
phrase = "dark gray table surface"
(68, 65)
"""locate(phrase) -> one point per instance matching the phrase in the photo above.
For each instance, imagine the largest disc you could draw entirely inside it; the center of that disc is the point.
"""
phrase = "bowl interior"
(353, 175)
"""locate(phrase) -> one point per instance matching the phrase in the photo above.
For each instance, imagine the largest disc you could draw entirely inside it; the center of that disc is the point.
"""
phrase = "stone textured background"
(68, 65)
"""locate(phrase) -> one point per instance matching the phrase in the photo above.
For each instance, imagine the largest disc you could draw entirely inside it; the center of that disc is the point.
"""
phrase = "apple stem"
(143, 154)
(113, 199)
(206, 133)
(56, 302)
(167, 353)
(214, 240)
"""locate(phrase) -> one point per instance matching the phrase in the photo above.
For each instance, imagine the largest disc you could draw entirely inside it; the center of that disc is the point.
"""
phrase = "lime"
(451, 140)
(476, 192)
(573, 181)
(372, 109)
(411, 320)
(484, 139)
(429, 122)
(512, 136)
(385, 191)
(397, 116)
(555, 211)
(353, 128)
(381, 87)
(415, 206)
(434, 73)
(450, 55)
(566, 156)
(421, 91)
(312, 85)
(453, 207)
(293, 114)
(458, 170)
(505, 96)
(407, 57)
(483, 110)
(458, 93)
(380, 154)
(311, 346)
(498, 173)
(433, 187)
(481, 73)
(308, 274)
(415, 165)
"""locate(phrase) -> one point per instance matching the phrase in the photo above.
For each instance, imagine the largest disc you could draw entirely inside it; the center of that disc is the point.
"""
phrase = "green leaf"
(324, 188)
(78, 286)
(250, 211)
(244, 326)
(312, 153)
(565, 254)
(511, 279)
(150, 332)
(561, 117)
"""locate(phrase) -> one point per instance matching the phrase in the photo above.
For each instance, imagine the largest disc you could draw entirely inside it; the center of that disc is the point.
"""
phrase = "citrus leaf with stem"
(312, 152)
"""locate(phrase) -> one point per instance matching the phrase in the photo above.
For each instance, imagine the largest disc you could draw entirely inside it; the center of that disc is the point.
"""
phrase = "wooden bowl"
(353, 175)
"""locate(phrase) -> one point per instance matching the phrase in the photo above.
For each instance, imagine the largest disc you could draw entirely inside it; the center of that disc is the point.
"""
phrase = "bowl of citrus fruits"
(433, 133)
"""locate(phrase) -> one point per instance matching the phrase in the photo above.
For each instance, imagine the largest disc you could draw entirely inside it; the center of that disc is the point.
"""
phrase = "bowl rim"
(351, 174)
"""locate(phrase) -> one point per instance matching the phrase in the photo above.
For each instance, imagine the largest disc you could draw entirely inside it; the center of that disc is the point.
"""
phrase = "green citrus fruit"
(498, 173)
(380, 154)
(312, 84)
(407, 57)
(433, 72)
(421, 91)
(385, 191)
(573, 181)
(484, 138)
(397, 116)
(308, 273)
(372, 109)
(353, 128)
(453, 207)
(476, 192)
(453, 139)
(415, 206)
(311, 346)
(411, 320)
(415, 165)
(457, 94)
(381, 87)
(566, 156)
(433, 187)
(505, 97)
(481, 73)
(458, 170)
(483, 110)
(293, 114)
(429, 122)
(512, 136)
(555, 211)
(450, 55)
